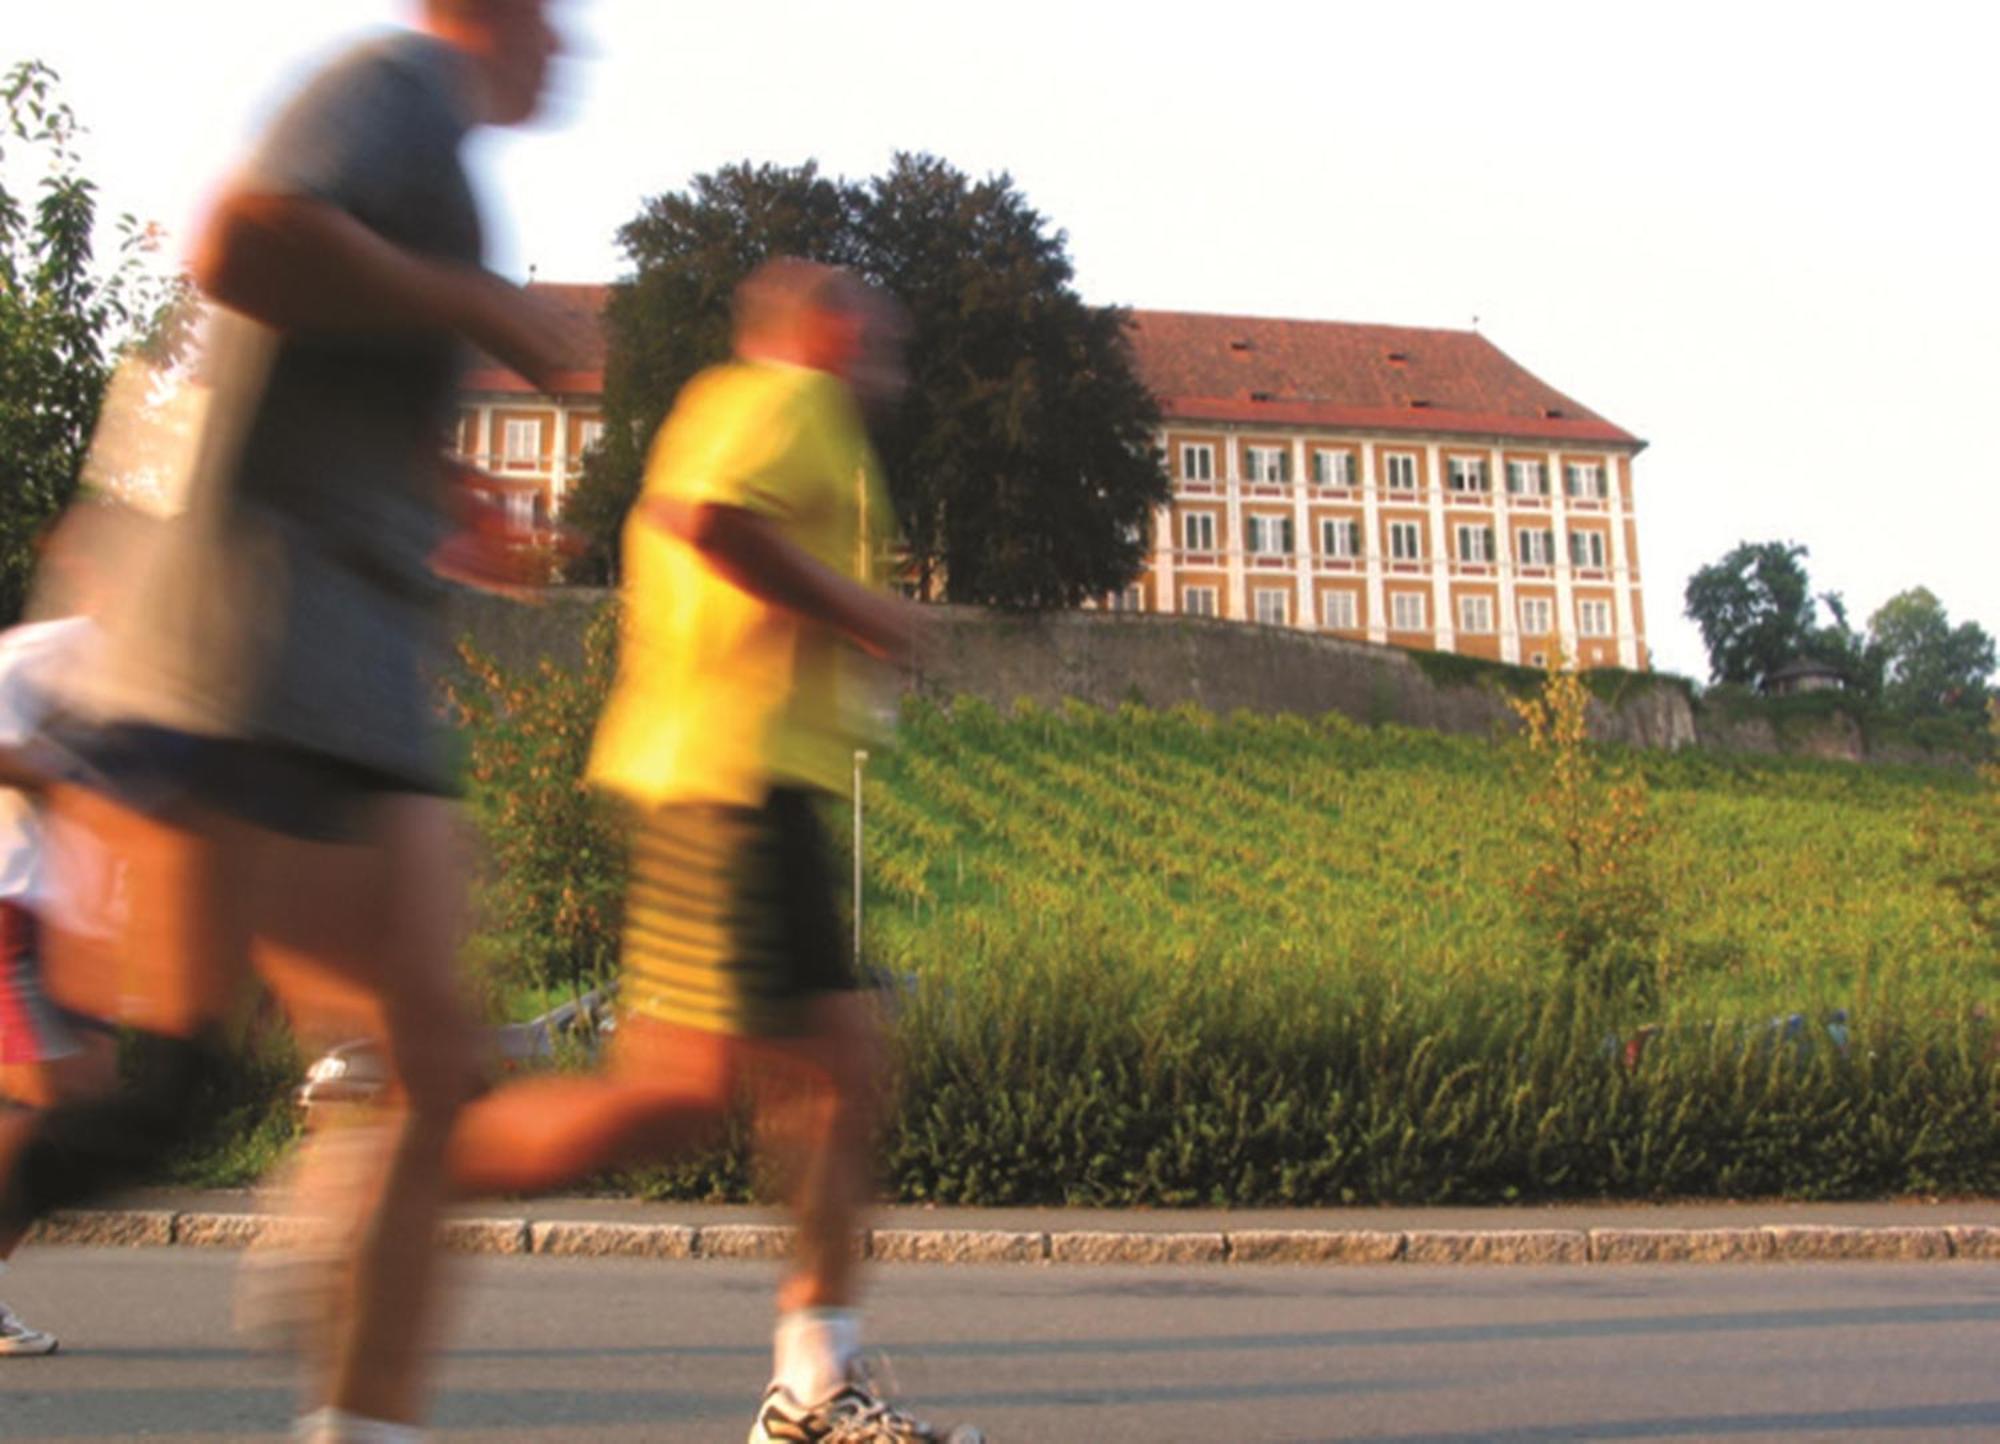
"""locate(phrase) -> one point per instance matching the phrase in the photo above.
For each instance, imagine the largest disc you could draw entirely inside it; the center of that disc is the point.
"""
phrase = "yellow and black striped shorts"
(730, 924)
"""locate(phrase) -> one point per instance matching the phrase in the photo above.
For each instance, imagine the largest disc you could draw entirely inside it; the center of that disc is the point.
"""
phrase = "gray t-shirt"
(292, 601)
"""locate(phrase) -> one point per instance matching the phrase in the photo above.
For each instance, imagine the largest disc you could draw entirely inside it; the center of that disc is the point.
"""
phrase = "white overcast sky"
(1759, 235)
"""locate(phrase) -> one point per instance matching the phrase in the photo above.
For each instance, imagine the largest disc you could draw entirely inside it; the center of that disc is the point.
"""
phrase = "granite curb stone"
(1829, 1242)
(1806, 1242)
(1497, 1246)
(1104, 1246)
(1317, 1246)
(1680, 1245)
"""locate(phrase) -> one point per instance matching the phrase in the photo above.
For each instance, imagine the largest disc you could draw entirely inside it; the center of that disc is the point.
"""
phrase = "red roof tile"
(581, 308)
(1340, 373)
(1246, 369)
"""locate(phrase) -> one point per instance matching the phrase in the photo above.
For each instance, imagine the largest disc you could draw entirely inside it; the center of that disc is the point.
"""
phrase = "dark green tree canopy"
(62, 317)
(1755, 611)
(1022, 463)
(1928, 666)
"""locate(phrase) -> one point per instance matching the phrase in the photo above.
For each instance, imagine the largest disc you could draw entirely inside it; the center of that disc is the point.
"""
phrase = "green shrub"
(550, 887)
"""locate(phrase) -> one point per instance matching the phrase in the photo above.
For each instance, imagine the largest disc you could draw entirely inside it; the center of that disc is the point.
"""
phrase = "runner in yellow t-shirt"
(740, 697)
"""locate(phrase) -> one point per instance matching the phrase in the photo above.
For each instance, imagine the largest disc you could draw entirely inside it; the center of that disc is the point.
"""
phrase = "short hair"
(773, 297)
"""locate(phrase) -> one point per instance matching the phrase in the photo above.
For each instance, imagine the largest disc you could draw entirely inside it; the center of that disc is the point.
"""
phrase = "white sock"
(337, 1426)
(812, 1349)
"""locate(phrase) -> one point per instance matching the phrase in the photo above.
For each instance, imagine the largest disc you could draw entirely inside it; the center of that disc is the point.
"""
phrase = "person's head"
(511, 42)
(800, 312)
(880, 375)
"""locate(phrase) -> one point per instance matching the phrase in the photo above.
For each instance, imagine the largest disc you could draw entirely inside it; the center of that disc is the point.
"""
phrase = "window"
(1272, 606)
(588, 434)
(1406, 541)
(1336, 609)
(1267, 463)
(1198, 601)
(1536, 546)
(520, 510)
(1467, 473)
(1399, 469)
(1407, 612)
(1593, 617)
(1584, 478)
(1586, 548)
(1265, 536)
(1475, 614)
(1339, 539)
(1198, 531)
(1475, 543)
(1132, 599)
(1537, 617)
(1197, 463)
(521, 443)
(1527, 478)
(1333, 468)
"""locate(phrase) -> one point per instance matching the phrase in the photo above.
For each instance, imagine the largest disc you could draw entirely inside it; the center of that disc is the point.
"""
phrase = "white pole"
(860, 761)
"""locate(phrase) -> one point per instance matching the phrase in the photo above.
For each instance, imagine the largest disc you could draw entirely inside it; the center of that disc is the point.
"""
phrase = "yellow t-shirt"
(720, 695)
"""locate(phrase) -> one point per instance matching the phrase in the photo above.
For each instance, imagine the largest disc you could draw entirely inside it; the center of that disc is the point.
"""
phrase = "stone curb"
(1766, 1243)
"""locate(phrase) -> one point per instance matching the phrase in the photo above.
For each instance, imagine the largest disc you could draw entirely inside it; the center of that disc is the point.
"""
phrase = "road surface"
(558, 1349)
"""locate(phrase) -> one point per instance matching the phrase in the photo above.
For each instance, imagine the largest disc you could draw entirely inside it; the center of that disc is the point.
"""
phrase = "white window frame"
(1131, 599)
(1399, 470)
(1197, 461)
(1339, 538)
(1475, 543)
(1593, 617)
(1586, 548)
(1467, 474)
(1585, 479)
(1538, 616)
(1201, 523)
(1535, 546)
(589, 434)
(1409, 612)
(1272, 606)
(1268, 536)
(520, 509)
(1401, 532)
(1198, 601)
(1475, 614)
(514, 432)
(1339, 609)
(1259, 462)
(1333, 466)
(1521, 471)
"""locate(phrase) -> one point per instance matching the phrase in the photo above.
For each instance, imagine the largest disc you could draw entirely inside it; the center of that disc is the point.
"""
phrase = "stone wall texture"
(1108, 658)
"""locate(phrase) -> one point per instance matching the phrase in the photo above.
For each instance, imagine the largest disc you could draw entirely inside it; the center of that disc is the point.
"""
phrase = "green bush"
(550, 887)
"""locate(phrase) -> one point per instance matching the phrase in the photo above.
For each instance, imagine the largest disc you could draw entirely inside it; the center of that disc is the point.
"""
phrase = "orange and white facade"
(533, 443)
(1388, 484)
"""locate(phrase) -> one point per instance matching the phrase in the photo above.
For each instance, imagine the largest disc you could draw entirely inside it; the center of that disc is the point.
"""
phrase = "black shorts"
(285, 789)
(730, 921)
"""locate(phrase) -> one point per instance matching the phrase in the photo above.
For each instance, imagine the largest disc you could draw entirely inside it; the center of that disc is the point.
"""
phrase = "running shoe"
(19, 1341)
(857, 1414)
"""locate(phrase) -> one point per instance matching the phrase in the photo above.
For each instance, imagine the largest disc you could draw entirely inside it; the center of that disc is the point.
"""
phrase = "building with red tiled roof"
(1388, 483)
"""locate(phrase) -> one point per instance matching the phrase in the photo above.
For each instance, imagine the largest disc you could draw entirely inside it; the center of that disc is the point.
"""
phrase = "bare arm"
(301, 264)
(753, 555)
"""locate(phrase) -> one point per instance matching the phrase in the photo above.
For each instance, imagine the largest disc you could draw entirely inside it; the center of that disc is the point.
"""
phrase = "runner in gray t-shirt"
(262, 717)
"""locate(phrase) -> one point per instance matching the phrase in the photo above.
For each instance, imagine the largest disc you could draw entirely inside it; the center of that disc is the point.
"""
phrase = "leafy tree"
(671, 318)
(1755, 611)
(1022, 463)
(1928, 666)
(62, 318)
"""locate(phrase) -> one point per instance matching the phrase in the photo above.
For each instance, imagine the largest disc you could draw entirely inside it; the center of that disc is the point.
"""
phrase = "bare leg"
(381, 920)
(824, 1104)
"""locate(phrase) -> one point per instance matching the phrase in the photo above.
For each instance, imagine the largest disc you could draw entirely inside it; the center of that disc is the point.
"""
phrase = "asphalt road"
(553, 1349)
